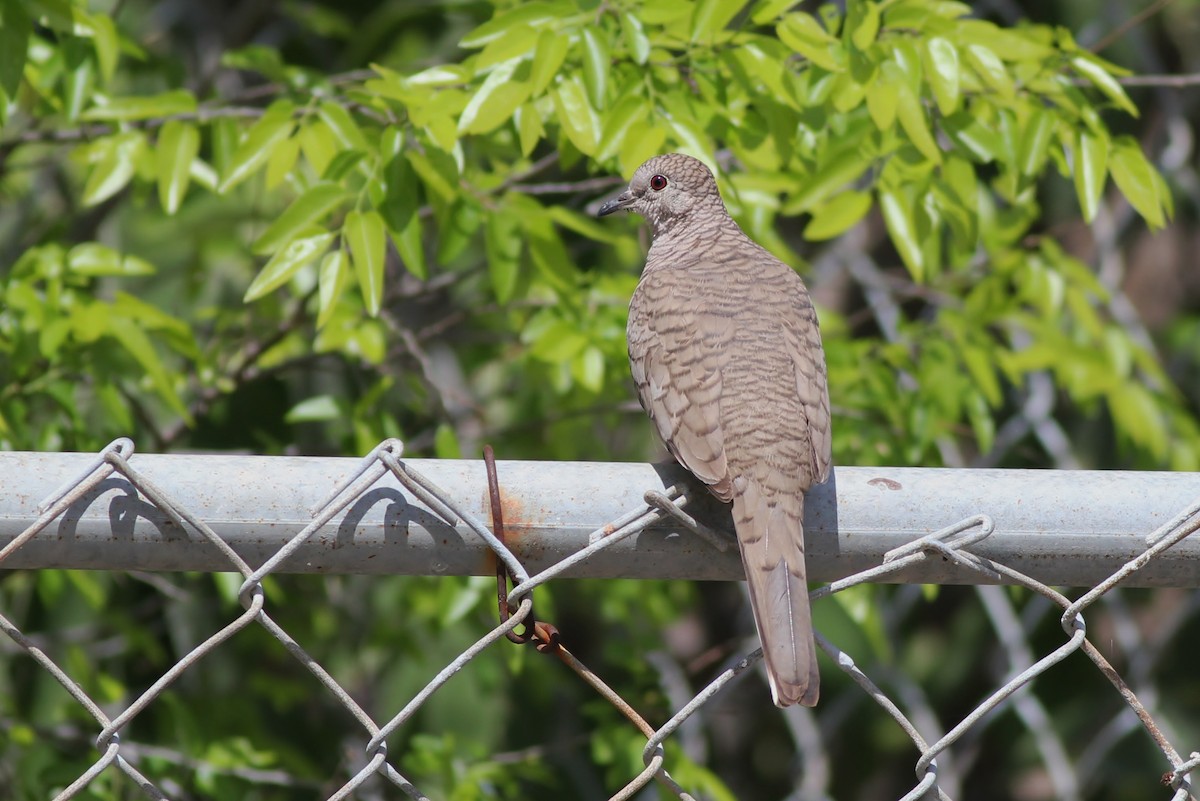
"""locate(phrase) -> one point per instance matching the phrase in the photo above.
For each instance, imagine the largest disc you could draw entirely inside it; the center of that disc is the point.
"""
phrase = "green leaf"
(838, 215)
(274, 127)
(596, 66)
(92, 258)
(1137, 180)
(980, 140)
(912, 119)
(178, 146)
(342, 164)
(1091, 164)
(619, 122)
(321, 408)
(445, 442)
(843, 168)
(546, 248)
(410, 244)
(990, 69)
(281, 163)
(533, 14)
(548, 57)
(1105, 82)
(709, 17)
(637, 149)
(529, 127)
(343, 126)
(138, 345)
(588, 368)
(583, 225)
(633, 35)
(865, 27)
(224, 136)
(804, 35)
(766, 11)
(577, 118)
(515, 42)
(942, 68)
(882, 98)
(125, 109)
(107, 43)
(439, 174)
(1038, 131)
(312, 205)
(307, 246)
(77, 80)
(897, 212)
(15, 28)
(318, 144)
(364, 233)
(331, 280)
(495, 102)
(115, 167)
(402, 192)
(502, 240)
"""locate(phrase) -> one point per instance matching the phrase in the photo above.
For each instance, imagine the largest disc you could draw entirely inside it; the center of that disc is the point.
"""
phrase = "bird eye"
(658, 183)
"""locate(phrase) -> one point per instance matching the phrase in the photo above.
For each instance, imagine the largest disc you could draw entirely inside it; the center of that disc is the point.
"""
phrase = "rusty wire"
(954, 542)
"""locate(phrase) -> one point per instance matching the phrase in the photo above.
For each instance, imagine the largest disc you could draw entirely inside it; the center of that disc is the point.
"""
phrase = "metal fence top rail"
(1069, 528)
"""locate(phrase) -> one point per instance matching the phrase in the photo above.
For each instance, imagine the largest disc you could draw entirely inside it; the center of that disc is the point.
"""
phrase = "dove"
(726, 356)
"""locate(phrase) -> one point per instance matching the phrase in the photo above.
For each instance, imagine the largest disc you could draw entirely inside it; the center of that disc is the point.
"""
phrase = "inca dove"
(726, 354)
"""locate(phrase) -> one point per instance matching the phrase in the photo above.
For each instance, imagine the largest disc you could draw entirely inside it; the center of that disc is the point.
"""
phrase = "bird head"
(667, 189)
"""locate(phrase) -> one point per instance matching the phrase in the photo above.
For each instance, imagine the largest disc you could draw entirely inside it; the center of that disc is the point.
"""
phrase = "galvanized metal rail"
(1065, 528)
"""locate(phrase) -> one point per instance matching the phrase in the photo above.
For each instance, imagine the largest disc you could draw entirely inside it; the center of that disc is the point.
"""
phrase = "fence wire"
(516, 611)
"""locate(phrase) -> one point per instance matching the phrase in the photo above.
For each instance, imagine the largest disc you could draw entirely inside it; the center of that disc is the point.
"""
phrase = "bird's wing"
(676, 368)
(802, 339)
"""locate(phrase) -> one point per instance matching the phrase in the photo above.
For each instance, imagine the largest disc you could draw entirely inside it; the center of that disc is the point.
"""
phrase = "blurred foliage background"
(301, 227)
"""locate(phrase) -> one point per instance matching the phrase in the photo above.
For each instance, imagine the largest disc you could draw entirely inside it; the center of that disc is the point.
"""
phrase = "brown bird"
(726, 355)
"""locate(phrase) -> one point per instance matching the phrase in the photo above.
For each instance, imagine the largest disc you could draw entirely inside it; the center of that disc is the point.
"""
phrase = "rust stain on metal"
(886, 483)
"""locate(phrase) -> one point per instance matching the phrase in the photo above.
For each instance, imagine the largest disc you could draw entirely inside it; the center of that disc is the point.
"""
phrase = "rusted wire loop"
(545, 637)
(502, 575)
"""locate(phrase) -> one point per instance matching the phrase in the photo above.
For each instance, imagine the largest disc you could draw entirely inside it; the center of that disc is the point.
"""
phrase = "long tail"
(770, 533)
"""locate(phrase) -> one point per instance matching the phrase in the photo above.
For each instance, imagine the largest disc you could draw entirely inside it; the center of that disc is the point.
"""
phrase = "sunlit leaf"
(273, 127)
(178, 145)
(307, 246)
(596, 65)
(312, 205)
(364, 233)
(943, 70)
(93, 258)
(578, 119)
(804, 35)
(331, 280)
(1091, 164)
(1105, 82)
(548, 57)
(124, 109)
(912, 118)
(838, 215)
(711, 16)
(115, 167)
(1137, 180)
(898, 216)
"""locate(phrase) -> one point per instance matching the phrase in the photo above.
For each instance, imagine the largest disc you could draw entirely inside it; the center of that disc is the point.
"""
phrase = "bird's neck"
(682, 237)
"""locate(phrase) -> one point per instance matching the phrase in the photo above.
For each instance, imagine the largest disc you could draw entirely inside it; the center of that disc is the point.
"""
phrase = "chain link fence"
(961, 547)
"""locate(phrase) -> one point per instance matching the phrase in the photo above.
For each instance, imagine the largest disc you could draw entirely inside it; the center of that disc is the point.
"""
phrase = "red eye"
(658, 183)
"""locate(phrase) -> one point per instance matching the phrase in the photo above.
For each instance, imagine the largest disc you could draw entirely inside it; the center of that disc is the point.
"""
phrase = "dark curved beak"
(621, 201)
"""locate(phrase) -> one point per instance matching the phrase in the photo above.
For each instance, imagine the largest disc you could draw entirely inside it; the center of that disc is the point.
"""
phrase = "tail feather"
(771, 536)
